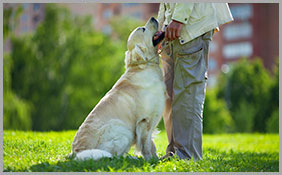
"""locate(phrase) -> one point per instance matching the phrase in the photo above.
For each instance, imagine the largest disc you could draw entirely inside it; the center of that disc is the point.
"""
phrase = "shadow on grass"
(214, 161)
(105, 164)
(232, 161)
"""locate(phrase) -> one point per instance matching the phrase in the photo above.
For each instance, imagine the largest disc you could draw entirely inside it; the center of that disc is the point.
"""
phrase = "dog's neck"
(149, 61)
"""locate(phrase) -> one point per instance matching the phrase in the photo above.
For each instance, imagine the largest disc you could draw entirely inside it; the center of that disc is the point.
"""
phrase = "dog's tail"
(94, 154)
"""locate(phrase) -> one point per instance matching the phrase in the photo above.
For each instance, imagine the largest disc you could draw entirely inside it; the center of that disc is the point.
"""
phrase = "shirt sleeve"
(161, 15)
(182, 12)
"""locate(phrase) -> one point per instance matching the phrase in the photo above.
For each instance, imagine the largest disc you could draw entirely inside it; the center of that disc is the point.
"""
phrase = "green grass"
(47, 151)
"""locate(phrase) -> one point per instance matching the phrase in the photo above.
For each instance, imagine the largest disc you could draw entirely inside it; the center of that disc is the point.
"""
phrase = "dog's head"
(140, 44)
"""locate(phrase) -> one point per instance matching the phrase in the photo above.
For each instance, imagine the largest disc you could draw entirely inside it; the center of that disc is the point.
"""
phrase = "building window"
(235, 50)
(213, 47)
(36, 7)
(25, 6)
(35, 19)
(130, 4)
(137, 15)
(212, 64)
(107, 14)
(24, 18)
(238, 31)
(242, 12)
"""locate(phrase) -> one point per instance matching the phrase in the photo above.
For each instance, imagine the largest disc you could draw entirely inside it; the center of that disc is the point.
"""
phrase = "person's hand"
(173, 30)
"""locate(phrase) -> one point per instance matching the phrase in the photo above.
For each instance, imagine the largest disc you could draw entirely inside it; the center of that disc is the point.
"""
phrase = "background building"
(103, 12)
(33, 13)
(31, 16)
(253, 33)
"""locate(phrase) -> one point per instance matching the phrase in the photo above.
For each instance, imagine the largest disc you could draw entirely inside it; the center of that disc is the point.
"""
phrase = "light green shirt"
(198, 18)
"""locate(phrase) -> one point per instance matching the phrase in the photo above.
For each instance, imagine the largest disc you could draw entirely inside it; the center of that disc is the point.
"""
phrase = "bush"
(243, 117)
(272, 124)
(62, 69)
(16, 111)
(249, 84)
(216, 115)
(128, 25)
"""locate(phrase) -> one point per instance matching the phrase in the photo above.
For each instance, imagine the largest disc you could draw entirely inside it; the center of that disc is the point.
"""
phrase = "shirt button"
(182, 41)
(185, 19)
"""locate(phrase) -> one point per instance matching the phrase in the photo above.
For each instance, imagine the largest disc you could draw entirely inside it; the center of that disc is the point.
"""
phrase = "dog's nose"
(154, 22)
(153, 19)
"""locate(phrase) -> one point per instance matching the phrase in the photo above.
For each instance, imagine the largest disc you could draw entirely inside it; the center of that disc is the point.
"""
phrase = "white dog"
(130, 111)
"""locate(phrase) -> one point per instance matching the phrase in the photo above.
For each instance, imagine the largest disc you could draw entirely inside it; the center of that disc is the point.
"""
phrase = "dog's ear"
(138, 52)
(135, 55)
(127, 59)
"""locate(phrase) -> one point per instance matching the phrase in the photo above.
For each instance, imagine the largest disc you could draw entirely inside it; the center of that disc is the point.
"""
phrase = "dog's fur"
(130, 111)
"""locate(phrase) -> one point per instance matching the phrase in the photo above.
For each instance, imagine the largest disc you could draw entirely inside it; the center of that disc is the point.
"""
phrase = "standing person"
(189, 28)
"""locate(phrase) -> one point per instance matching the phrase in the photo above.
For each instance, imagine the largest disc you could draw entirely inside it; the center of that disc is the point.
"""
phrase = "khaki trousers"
(185, 74)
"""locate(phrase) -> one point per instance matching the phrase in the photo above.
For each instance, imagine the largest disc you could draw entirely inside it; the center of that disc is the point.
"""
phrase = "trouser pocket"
(192, 63)
(191, 76)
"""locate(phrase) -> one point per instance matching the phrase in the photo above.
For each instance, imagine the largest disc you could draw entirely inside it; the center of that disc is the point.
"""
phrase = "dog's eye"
(143, 29)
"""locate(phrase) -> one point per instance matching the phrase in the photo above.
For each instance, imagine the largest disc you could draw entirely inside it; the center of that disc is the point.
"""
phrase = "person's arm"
(182, 12)
(180, 16)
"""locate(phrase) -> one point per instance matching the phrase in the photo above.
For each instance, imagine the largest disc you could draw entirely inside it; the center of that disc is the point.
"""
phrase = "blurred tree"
(248, 87)
(273, 108)
(56, 75)
(244, 117)
(272, 124)
(64, 69)
(10, 18)
(16, 111)
(123, 26)
(216, 115)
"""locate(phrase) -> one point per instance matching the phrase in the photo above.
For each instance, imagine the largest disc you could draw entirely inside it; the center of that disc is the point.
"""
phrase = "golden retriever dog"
(130, 111)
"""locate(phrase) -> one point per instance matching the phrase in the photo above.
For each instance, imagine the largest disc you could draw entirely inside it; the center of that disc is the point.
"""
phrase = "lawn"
(47, 151)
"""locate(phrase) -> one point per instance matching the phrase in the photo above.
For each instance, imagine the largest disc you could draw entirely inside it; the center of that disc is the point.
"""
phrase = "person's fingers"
(170, 34)
(178, 32)
(166, 33)
(173, 34)
(173, 30)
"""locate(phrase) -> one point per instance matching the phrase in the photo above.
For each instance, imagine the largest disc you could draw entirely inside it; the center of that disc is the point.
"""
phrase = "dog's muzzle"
(160, 37)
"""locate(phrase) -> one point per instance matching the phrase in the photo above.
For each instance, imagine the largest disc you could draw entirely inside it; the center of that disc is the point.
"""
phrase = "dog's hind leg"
(94, 154)
(117, 138)
(144, 139)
